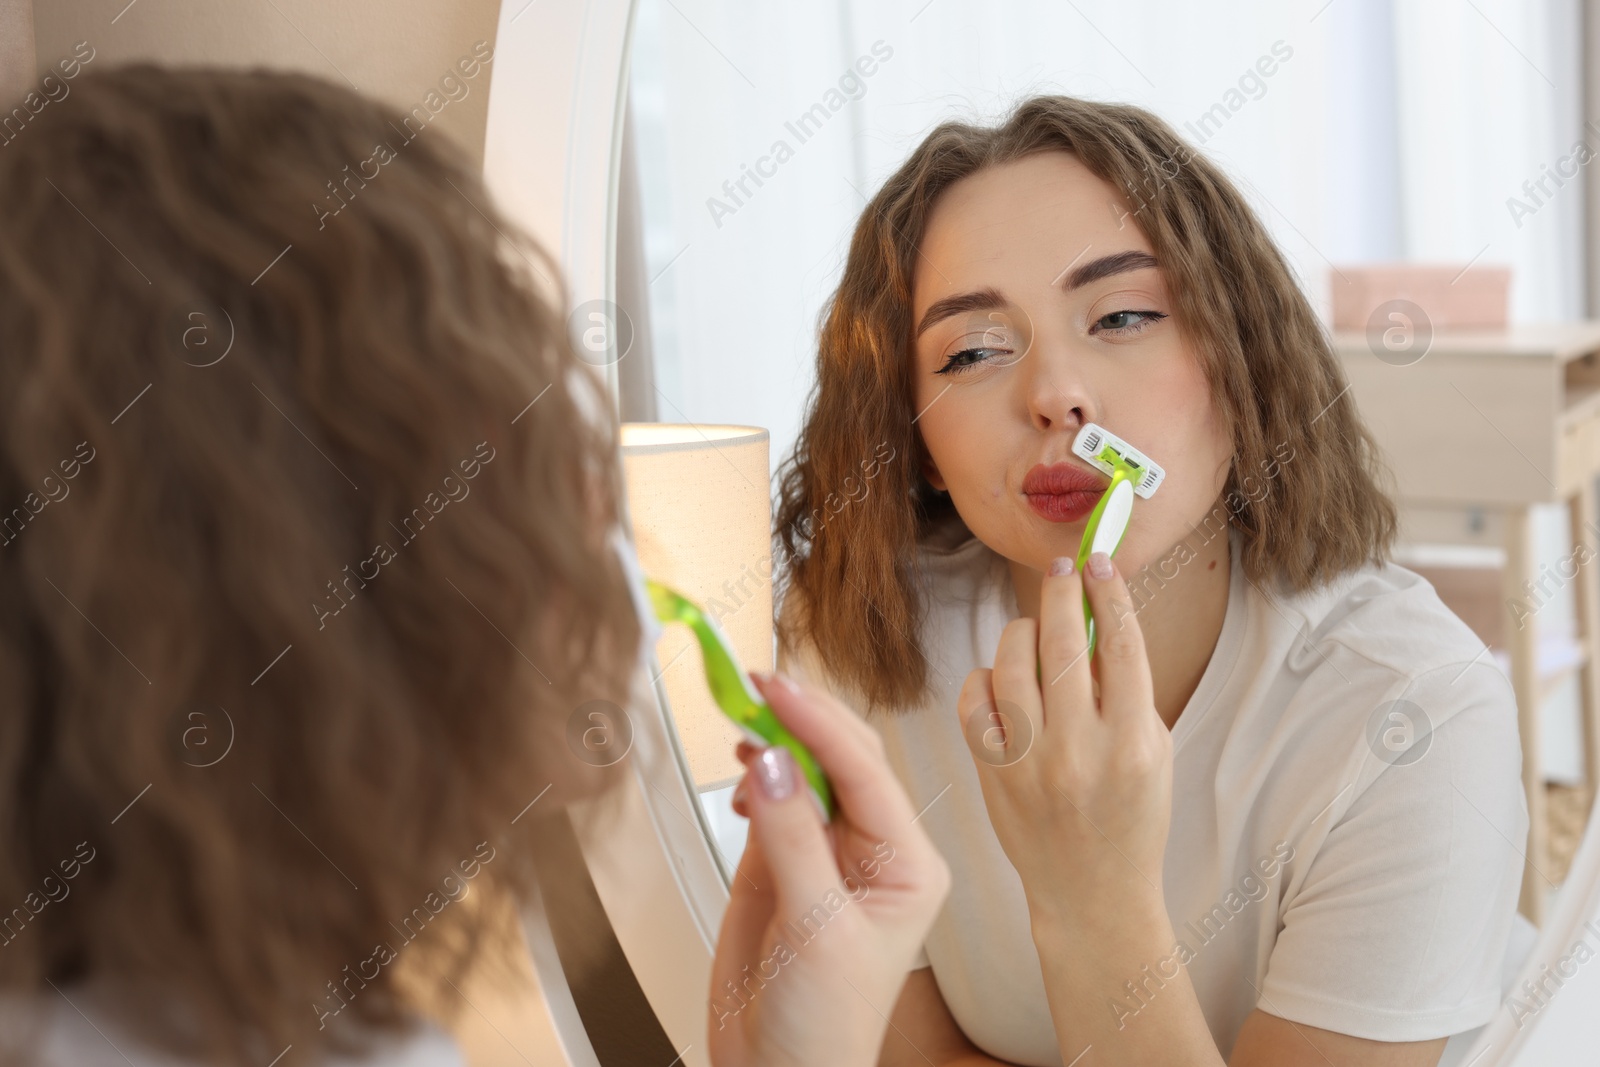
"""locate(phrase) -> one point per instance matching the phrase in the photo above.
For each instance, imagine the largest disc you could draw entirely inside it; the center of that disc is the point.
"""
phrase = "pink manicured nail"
(1061, 565)
(776, 773)
(786, 683)
(1100, 565)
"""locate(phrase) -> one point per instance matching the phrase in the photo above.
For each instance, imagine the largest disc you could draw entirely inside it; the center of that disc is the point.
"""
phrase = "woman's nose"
(1057, 395)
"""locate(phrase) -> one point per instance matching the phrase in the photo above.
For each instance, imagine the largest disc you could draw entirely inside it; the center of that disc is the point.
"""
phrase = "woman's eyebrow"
(984, 299)
(988, 298)
(1106, 266)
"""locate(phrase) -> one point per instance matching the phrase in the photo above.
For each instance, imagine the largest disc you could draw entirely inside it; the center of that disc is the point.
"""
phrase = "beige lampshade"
(698, 496)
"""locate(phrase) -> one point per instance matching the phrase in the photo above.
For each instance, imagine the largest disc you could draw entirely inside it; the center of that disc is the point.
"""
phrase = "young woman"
(1276, 818)
(308, 554)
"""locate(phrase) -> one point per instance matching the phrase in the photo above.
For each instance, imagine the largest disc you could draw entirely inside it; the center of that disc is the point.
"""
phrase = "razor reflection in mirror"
(1132, 474)
(732, 691)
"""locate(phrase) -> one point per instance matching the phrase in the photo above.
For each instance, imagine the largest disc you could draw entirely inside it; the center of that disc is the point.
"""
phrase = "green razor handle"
(1107, 523)
(1106, 527)
(732, 691)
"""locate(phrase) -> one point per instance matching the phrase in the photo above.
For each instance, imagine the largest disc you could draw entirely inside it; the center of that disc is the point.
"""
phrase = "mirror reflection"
(1278, 265)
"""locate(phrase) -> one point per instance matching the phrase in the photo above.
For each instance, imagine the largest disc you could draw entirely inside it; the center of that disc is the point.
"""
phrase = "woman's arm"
(1266, 1039)
(922, 1031)
(1087, 961)
(1089, 951)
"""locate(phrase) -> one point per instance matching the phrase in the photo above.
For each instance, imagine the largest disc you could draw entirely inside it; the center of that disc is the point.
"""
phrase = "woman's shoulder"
(1385, 614)
(1371, 660)
(1356, 682)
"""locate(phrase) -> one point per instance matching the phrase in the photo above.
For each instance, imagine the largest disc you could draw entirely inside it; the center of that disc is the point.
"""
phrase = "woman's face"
(1039, 306)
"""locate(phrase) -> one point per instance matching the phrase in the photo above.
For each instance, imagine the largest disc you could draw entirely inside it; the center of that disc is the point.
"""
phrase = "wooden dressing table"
(1482, 426)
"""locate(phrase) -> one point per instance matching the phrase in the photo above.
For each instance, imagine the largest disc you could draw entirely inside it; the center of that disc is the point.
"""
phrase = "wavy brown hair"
(853, 590)
(285, 537)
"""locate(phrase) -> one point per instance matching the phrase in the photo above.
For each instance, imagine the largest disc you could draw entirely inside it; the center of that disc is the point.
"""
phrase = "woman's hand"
(824, 921)
(1078, 783)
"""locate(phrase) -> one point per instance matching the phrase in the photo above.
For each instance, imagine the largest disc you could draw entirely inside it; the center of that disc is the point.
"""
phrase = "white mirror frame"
(552, 160)
(1535, 1030)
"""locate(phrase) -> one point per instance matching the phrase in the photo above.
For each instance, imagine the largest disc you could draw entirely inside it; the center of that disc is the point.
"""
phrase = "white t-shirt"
(1316, 867)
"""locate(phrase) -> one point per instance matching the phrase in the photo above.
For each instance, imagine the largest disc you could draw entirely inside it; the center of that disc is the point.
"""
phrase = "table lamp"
(699, 501)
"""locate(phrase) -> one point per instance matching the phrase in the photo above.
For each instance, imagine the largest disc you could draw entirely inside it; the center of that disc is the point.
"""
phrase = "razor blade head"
(1103, 449)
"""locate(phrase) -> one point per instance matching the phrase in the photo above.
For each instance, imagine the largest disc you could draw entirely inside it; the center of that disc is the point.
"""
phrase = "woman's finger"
(751, 899)
(997, 732)
(1064, 676)
(1016, 676)
(1126, 691)
(826, 705)
(792, 837)
(995, 738)
(849, 752)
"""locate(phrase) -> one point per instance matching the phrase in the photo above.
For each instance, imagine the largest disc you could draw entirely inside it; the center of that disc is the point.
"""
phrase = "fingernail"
(776, 773)
(1100, 565)
(1061, 565)
(786, 682)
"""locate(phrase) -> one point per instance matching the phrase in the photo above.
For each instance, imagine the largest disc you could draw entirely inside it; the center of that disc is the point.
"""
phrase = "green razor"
(732, 691)
(1132, 473)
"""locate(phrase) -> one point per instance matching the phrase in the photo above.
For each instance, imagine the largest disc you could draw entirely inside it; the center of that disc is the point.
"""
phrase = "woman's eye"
(1117, 321)
(971, 357)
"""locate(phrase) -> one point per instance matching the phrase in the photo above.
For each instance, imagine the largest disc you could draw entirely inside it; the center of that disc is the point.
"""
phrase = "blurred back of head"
(296, 589)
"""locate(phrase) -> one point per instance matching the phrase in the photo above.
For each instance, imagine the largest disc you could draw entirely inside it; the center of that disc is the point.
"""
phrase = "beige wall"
(395, 50)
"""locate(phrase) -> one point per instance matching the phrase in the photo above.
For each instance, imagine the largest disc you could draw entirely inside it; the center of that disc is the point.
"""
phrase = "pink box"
(1451, 299)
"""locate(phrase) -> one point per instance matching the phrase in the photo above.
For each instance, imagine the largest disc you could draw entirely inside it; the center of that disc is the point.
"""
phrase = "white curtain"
(1395, 129)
